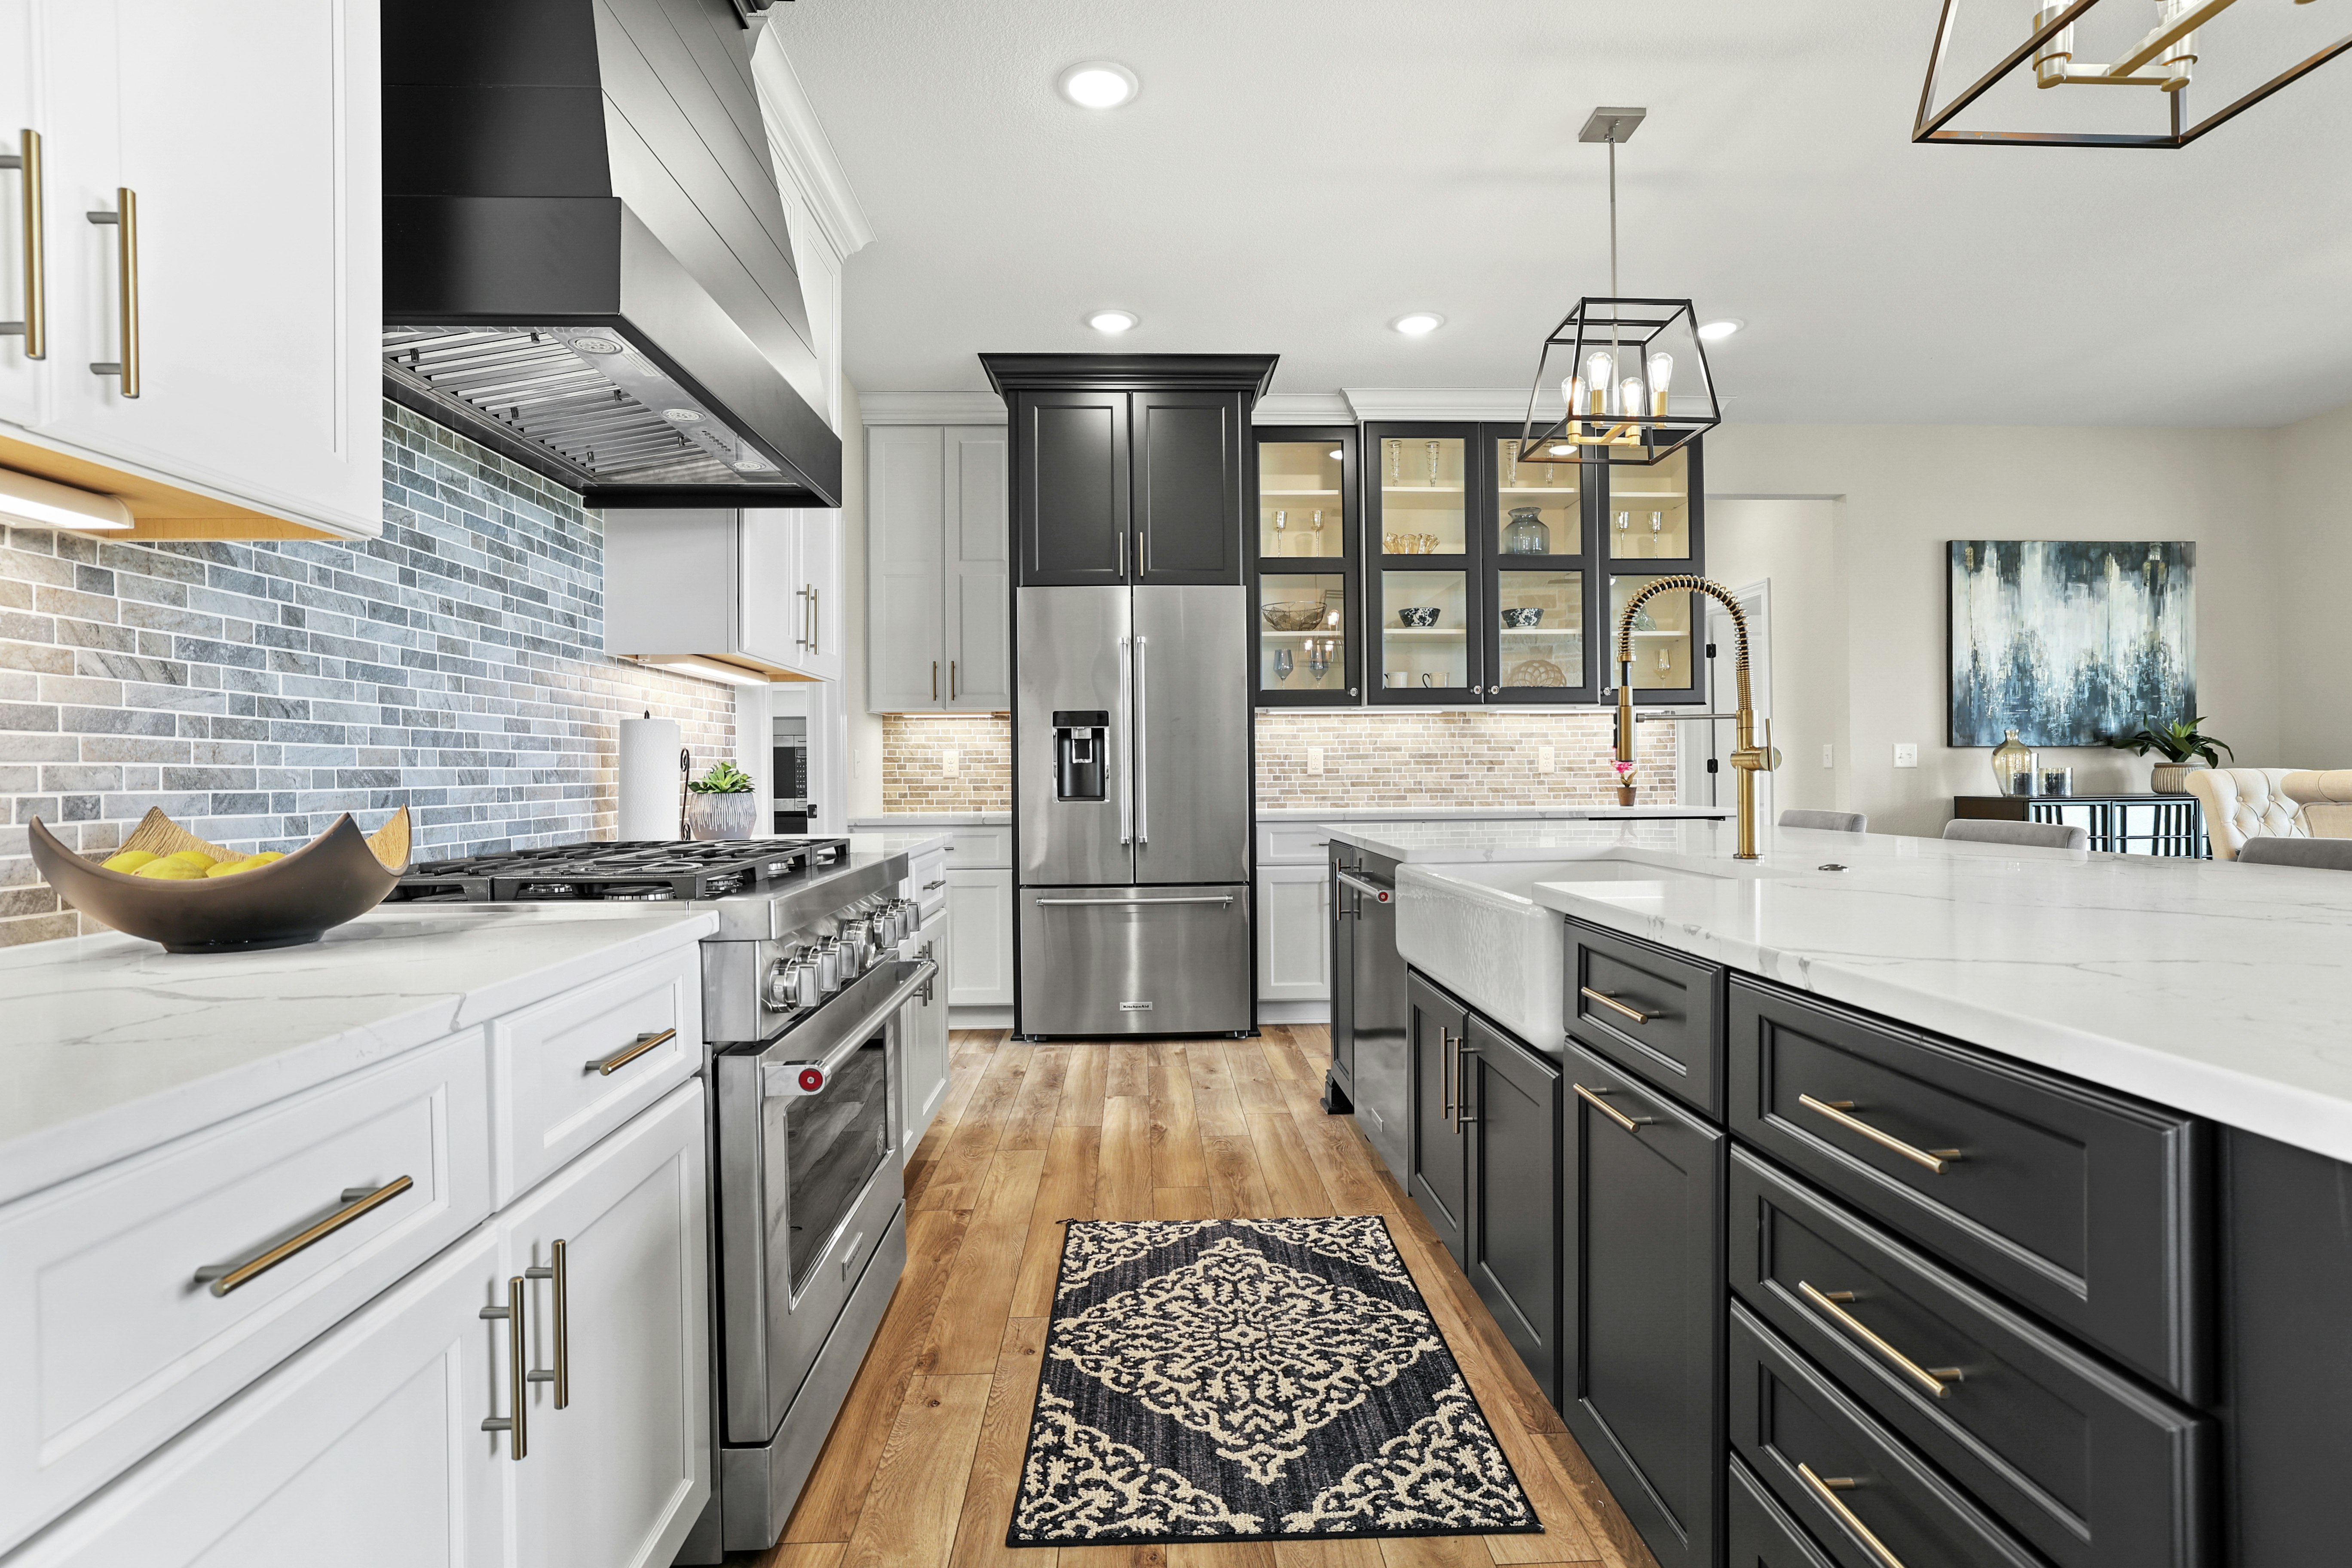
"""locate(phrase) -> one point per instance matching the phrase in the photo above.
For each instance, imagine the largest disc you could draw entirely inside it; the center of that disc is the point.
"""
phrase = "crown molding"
(931, 407)
(803, 153)
(1503, 405)
(1303, 409)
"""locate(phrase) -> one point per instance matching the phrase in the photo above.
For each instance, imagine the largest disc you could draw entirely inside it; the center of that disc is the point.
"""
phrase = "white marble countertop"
(1493, 814)
(2216, 988)
(113, 1046)
(896, 821)
(906, 841)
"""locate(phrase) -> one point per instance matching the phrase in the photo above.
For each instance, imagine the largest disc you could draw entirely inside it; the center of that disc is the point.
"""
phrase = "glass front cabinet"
(1306, 569)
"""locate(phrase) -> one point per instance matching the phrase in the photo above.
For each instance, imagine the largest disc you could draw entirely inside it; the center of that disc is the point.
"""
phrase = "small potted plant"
(1624, 772)
(2184, 747)
(720, 804)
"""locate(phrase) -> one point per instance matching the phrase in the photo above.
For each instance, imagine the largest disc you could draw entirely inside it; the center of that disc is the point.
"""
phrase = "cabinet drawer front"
(1676, 1040)
(974, 848)
(1293, 844)
(2081, 1461)
(926, 881)
(549, 1099)
(1788, 1420)
(1759, 1532)
(110, 1343)
(2085, 1206)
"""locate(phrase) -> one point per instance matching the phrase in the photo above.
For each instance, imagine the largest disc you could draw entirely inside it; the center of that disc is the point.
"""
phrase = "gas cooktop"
(650, 872)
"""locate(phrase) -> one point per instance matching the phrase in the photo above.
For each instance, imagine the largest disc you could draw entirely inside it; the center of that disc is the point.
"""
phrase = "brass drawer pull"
(125, 219)
(1934, 1159)
(1937, 1383)
(562, 1375)
(608, 1066)
(516, 1426)
(1592, 1096)
(1446, 1074)
(1612, 1003)
(225, 1277)
(35, 327)
(1828, 1491)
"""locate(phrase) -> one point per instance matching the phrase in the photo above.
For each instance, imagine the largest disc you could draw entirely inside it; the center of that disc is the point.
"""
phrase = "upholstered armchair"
(2281, 803)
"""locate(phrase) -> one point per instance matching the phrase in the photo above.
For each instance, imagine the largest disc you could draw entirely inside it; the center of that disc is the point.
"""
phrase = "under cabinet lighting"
(1099, 84)
(1418, 324)
(703, 669)
(1717, 331)
(1114, 320)
(29, 502)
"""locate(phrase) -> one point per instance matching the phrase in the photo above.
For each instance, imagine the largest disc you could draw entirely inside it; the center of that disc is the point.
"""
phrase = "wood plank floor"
(921, 1468)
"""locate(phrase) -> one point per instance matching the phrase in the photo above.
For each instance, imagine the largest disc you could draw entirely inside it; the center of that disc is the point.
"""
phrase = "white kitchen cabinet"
(21, 377)
(980, 903)
(246, 132)
(939, 632)
(923, 1048)
(757, 588)
(1293, 941)
(364, 1450)
(619, 1461)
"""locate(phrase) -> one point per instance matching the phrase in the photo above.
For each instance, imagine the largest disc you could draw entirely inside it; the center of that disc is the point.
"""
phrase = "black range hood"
(586, 264)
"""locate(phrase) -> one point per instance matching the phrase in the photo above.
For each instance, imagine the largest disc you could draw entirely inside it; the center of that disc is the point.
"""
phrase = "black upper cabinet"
(1128, 468)
(1305, 567)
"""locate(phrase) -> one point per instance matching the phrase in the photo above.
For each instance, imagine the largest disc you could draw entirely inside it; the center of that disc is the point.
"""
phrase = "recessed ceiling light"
(1113, 321)
(1099, 84)
(1419, 323)
(1716, 331)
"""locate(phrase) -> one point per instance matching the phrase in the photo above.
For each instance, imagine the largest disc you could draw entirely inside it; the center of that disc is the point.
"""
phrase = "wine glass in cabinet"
(1306, 568)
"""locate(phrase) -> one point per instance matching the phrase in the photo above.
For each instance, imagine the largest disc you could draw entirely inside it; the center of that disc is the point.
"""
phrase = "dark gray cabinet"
(1656, 1012)
(1071, 487)
(1757, 1531)
(1439, 1179)
(1641, 1284)
(1510, 1105)
(1189, 451)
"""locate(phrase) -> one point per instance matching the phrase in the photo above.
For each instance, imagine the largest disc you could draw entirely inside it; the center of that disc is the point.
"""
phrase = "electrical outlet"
(950, 762)
(1829, 754)
(1314, 759)
(1906, 753)
(1545, 759)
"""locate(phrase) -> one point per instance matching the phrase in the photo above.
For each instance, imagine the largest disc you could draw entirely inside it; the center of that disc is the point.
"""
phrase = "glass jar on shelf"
(1525, 534)
(2013, 765)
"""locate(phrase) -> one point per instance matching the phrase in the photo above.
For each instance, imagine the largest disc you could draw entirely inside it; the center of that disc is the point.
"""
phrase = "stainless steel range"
(803, 989)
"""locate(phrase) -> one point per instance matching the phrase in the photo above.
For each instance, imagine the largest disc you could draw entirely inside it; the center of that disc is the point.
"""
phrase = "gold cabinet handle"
(1462, 1117)
(516, 1426)
(35, 327)
(225, 1277)
(1828, 1303)
(608, 1066)
(951, 680)
(1445, 1075)
(1612, 1003)
(125, 219)
(1935, 1160)
(556, 1273)
(935, 680)
(1828, 1491)
(1592, 1096)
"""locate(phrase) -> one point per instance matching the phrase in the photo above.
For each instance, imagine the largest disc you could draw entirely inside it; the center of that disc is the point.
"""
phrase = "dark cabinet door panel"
(1513, 1112)
(1656, 1012)
(1188, 487)
(2087, 1207)
(1440, 1176)
(1857, 1489)
(1759, 1533)
(1345, 918)
(1642, 1291)
(1070, 456)
(2081, 1460)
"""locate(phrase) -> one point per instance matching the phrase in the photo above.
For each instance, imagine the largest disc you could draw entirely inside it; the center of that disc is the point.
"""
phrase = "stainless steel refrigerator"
(1133, 811)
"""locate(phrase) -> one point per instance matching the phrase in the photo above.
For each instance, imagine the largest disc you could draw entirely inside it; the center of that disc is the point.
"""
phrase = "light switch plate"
(1314, 759)
(1906, 753)
(950, 762)
(1829, 754)
(1545, 759)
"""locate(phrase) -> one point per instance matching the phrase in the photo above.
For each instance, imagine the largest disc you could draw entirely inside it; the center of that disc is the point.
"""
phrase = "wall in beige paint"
(2314, 542)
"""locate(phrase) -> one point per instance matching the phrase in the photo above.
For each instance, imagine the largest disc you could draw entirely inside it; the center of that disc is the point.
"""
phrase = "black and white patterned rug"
(1242, 1379)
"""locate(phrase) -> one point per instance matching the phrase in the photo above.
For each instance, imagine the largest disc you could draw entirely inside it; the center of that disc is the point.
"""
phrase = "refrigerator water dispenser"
(1080, 740)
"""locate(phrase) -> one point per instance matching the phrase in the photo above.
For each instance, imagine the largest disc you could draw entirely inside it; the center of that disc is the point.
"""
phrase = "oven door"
(809, 1179)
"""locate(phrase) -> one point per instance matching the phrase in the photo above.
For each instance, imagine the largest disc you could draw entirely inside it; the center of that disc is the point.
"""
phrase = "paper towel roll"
(649, 780)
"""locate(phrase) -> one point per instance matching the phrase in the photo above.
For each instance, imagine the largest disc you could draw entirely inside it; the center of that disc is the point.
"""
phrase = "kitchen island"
(1895, 1200)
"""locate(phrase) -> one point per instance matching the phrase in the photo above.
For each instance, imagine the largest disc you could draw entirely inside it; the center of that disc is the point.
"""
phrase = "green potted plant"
(720, 803)
(2184, 747)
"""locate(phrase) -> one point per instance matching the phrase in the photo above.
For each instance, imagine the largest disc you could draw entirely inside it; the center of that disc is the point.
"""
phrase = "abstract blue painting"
(2068, 642)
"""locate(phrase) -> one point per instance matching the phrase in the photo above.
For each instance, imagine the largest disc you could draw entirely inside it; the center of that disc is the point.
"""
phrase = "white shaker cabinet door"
(979, 588)
(1294, 943)
(924, 1048)
(365, 1450)
(905, 652)
(247, 132)
(820, 574)
(979, 902)
(620, 1458)
(22, 102)
(773, 618)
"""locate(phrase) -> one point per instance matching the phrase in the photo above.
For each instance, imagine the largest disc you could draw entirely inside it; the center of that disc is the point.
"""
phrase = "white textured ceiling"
(1297, 173)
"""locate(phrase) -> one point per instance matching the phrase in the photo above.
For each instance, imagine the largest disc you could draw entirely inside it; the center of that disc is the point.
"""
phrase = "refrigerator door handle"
(1142, 758)
(1126, 786)
(1130, 903)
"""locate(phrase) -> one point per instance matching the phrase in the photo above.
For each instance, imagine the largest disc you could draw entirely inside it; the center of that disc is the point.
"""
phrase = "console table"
(2118, 824)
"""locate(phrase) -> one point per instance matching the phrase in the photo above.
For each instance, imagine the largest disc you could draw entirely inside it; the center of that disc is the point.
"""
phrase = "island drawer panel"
(2081, 1460)
(111, 1343)
(926, 881)
(1787, 1420)
(2087, 1207)
(1676, 1040)
(1759, 1532)
(551, 1097)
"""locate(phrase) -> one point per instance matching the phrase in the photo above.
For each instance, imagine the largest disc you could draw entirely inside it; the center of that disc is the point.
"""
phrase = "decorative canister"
(2013, 765)
(2171, 778)
(2058, 781)
(1527, 534)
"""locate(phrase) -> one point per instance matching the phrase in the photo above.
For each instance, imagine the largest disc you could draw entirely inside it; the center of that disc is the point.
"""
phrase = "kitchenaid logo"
(1135, 1006)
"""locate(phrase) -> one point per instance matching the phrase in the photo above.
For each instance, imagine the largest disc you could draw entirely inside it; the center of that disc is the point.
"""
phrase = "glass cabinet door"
(1305, 568)
(1536, 577)
(1423, 597)
(1647, 512)
(1665, 661)
(1426, 649)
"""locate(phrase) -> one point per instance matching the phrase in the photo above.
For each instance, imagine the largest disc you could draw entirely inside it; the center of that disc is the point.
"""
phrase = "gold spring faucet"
(1747, 759)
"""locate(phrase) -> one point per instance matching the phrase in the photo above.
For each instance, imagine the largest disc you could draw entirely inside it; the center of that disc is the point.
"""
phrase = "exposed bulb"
(1629, 398)
(1597, 368)
(1662, 375)
(1572, 393)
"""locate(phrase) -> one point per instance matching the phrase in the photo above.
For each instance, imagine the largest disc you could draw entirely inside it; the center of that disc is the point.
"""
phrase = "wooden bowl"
(337, 877)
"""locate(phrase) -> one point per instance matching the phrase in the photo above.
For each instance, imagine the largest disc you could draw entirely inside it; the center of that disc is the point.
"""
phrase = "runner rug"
(1252, 1379)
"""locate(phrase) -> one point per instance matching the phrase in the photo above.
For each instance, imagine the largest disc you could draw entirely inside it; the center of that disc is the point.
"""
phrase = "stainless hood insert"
(587, 262)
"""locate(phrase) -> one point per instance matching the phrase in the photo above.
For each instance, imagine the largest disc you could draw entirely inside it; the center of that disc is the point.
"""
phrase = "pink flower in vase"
(1624, 775)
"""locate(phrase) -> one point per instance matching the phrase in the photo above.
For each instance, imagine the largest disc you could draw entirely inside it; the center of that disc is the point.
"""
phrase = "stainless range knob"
(828, 966)
(808, 983)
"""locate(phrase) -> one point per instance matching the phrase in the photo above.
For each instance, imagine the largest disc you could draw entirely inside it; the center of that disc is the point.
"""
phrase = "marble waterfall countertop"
(2216, 988)
(111, 1045)
(1493, 814)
